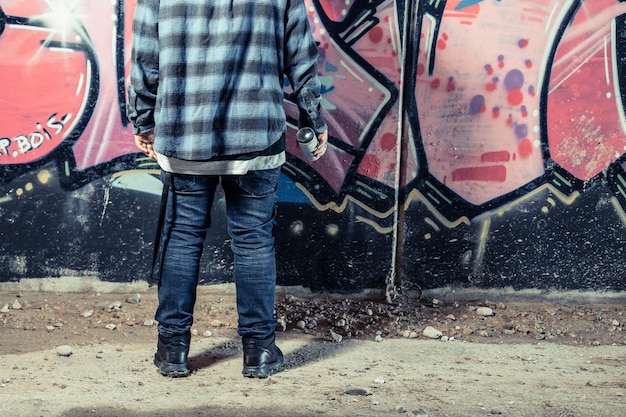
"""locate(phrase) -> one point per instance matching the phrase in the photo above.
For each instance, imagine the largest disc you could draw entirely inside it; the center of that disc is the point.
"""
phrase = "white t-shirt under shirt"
(221, 167)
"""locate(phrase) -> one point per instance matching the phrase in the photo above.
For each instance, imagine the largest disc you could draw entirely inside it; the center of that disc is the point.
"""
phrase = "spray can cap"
(305, 135)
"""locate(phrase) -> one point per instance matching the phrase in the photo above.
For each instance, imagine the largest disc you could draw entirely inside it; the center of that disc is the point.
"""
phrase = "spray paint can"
(307, 140)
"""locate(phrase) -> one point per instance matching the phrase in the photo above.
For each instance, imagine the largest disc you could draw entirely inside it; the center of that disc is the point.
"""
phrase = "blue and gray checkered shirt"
(208, 75)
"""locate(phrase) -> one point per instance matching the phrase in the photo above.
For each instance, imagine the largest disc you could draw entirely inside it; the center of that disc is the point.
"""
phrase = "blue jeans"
(250, 210)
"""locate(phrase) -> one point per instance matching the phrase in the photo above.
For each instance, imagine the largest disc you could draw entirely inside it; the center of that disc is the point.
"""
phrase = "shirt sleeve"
(144, 66)
(301, 57)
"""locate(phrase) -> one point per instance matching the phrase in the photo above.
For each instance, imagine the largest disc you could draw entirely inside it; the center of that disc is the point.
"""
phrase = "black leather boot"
(171, 355)
(261, 357)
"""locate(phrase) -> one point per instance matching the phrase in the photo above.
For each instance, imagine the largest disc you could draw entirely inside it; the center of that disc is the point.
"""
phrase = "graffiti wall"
(473, 143)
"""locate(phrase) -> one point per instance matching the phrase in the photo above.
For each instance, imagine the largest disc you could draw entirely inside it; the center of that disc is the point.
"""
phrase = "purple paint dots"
(514, 79)
(521, 131)
(524, 111)
(500, 61)
(477, 105)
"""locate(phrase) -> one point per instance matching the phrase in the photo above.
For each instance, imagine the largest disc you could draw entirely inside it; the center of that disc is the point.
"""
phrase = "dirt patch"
(486, 354)
(40, 319)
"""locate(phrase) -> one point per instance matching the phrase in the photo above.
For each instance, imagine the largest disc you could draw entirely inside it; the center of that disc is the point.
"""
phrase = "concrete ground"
(554, 355)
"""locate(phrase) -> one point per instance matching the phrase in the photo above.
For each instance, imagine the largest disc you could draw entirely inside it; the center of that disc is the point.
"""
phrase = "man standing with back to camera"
(206, 102)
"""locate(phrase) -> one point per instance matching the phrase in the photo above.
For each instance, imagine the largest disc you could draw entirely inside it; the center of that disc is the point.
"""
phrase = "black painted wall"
(473, 143)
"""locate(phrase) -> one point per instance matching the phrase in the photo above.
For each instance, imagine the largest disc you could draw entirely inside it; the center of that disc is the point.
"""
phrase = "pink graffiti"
(490, 50)
(43, 87)
(106, 137)
(584, 128)
(352, 97)
(49, 67)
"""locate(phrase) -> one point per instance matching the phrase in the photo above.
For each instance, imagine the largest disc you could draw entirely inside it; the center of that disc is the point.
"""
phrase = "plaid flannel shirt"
(208, 75)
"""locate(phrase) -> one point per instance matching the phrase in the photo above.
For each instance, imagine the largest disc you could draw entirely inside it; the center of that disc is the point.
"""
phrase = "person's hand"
(322, 144)
(144, 142)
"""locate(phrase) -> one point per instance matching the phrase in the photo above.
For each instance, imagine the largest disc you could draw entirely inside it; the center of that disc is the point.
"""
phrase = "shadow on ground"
(314, 351)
